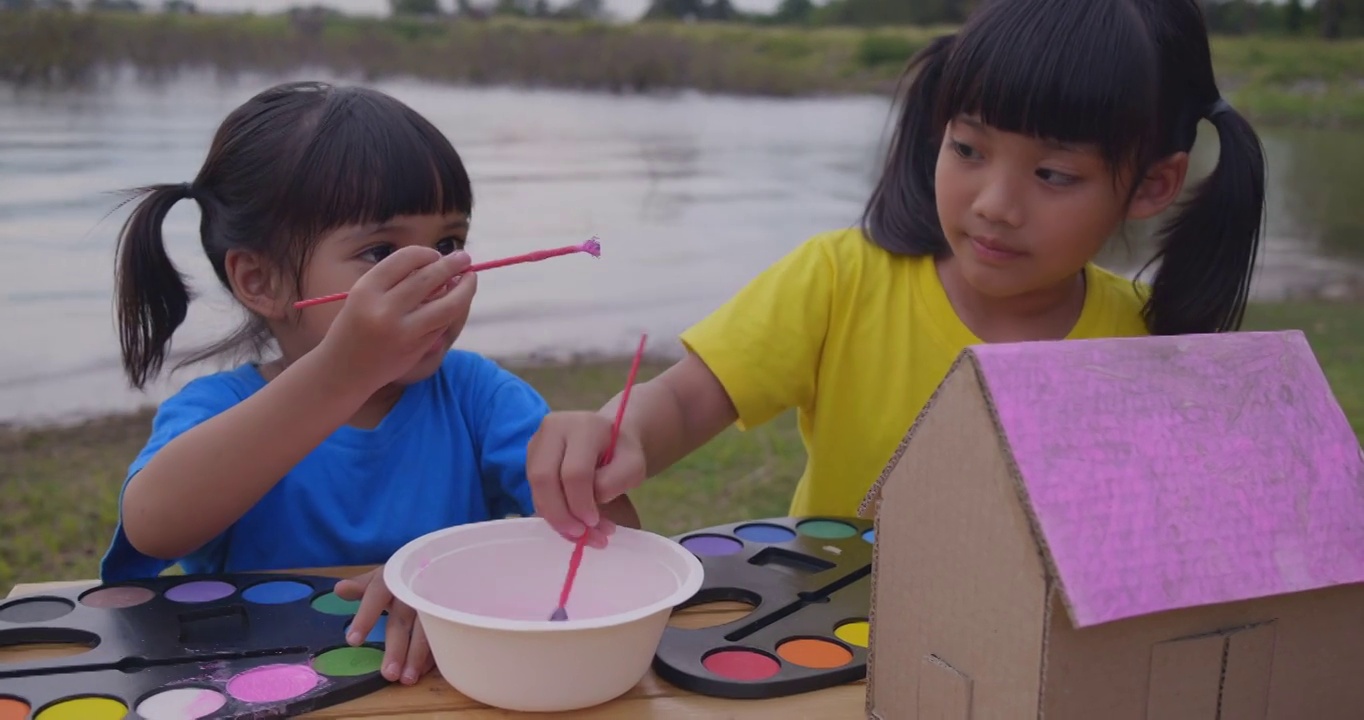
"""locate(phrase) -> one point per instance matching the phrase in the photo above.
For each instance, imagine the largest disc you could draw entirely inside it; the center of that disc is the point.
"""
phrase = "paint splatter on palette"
(808, 581)
(187, 647)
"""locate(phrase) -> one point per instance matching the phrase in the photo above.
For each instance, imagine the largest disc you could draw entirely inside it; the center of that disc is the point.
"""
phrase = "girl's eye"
(963, 150)
(449, 245)
(377, 253)
(1056, 178)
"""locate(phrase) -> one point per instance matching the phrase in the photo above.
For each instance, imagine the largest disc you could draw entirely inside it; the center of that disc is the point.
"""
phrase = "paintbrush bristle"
(592, 247)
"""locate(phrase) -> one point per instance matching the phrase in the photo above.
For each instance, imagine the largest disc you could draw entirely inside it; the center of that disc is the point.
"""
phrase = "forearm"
(655, 418)
(675, 413)
(235, 458)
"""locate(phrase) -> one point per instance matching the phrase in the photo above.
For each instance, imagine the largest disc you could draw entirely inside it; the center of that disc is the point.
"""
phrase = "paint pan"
(182, 648)
(809, 580)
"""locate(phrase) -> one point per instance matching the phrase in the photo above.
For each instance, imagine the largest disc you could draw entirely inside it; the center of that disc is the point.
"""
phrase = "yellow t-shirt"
(856, 339)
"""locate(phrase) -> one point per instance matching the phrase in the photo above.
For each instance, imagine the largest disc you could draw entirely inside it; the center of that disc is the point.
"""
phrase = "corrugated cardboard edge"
(873, 500)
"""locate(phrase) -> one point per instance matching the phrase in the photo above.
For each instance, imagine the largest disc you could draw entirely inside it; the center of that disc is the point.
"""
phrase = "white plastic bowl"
(485, 591)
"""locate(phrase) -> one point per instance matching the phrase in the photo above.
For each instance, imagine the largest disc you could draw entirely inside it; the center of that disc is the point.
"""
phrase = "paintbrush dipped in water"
(561, 613)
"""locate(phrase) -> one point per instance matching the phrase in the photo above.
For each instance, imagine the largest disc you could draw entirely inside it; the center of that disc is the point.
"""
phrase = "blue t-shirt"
(451, 451)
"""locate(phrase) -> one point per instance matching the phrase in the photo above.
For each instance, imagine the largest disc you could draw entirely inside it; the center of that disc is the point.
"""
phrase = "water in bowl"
(520, 579)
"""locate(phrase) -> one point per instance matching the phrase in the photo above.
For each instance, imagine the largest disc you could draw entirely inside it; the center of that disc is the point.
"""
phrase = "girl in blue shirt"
(365, 430)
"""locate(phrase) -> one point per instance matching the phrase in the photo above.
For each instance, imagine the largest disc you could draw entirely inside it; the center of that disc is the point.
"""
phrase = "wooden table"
(651, 698)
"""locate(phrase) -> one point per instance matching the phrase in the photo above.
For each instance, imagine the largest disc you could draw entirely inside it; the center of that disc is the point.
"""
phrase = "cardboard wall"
(1288, 658)
(959, 602)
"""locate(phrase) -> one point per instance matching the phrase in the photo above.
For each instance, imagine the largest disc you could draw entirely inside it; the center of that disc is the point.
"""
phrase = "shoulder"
(850, 244)
(850, 250)
(1130, 291)
(469, 366)
(480, 380)
(200, 399)
(1124, 298)
(847, 254)
(218, 390)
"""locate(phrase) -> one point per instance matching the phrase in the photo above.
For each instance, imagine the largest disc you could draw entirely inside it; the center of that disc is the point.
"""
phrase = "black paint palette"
(186, 647)
(809, 582)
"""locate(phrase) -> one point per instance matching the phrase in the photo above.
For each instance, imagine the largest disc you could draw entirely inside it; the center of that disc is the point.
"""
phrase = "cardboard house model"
(1161, 528)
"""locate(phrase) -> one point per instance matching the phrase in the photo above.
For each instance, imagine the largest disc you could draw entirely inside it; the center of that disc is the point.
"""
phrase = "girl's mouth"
(991, 250)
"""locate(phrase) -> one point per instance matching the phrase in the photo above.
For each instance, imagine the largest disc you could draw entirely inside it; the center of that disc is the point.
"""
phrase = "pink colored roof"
(1169, 472)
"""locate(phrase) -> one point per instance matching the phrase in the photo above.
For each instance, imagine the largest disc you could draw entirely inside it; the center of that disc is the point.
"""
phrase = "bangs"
(1073, 71)
(367, 159)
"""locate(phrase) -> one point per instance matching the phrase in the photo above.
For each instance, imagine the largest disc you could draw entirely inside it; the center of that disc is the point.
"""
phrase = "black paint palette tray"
(809, 582)
(198, 646)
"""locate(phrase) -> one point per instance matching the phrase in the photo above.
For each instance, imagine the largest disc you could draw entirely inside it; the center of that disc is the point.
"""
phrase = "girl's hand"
(397, 312)
(406, 653)
(566, 485)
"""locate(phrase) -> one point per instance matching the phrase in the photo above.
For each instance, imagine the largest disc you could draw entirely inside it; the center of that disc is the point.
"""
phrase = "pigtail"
(153, 298)
(1208, 250)
(902, 213)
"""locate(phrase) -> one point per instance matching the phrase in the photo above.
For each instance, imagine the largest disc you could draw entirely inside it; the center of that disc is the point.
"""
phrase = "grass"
(59, 486)
(1272, 79)
(1336, 332)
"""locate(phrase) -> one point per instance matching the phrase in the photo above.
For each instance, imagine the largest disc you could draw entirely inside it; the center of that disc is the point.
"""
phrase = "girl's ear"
(256, 284)
(1161, 187)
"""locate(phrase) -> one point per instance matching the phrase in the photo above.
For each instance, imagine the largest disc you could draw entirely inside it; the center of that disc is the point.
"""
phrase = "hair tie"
(1219, 106)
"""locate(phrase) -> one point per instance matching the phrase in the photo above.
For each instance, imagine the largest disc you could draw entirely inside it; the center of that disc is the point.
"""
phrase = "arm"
(675, 413)
(764, 342)
(762, 354)
(235, 458)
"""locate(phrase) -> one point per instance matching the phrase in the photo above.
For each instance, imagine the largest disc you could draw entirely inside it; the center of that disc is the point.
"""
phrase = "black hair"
(288, 165)
(1132, 77)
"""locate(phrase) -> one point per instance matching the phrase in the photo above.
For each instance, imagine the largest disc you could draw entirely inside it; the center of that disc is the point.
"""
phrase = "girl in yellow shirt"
(1024, 141)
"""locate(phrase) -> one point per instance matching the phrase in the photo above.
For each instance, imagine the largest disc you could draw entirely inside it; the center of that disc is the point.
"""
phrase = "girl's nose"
(998, 202)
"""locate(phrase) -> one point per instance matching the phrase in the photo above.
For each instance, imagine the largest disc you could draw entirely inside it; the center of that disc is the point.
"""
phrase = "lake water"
(690, 195)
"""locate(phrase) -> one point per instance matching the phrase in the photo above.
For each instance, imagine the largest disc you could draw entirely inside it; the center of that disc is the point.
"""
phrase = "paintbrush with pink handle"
(591, 247)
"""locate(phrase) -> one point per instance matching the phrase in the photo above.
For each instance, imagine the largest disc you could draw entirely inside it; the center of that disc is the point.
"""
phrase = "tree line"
(1322, 18)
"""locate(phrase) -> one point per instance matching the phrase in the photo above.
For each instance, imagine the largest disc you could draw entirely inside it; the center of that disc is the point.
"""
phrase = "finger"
(400, 621)
(596, 538)
(439, 312)
(579, 471)
(542, 471)
(397, 267)
(351, 588)
(413, 290)
(564, 535)
(459, 261)
(376, 598)
(418, 655)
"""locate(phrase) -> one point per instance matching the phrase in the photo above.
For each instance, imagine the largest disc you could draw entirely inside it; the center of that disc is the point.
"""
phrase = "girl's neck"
(1048, 314)
(367, 416)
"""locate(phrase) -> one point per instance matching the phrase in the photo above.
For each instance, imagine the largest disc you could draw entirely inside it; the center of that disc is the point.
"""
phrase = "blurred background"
(699, 139)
